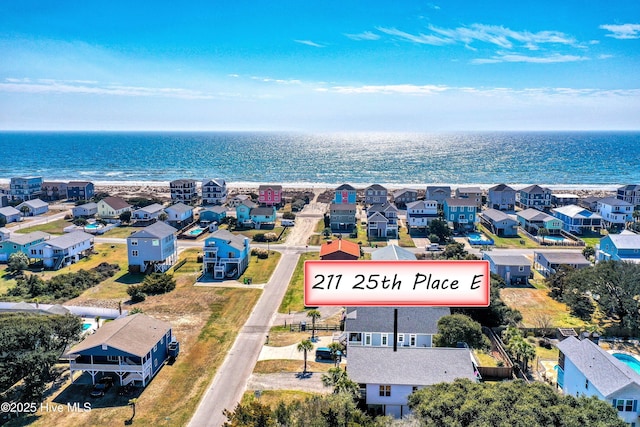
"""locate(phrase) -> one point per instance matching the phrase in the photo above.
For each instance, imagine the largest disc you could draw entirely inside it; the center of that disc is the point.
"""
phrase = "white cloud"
(604, 56)
(510, 57)
(502, 37)
(402, 89)
(623, 31)
(309, 43)
(419, 38)
(367, 35)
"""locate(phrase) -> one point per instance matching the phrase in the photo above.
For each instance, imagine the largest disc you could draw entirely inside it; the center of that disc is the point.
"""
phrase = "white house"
(152, 248)
(184, 190)
(10, 214)
(33, 207)
(615, 212)
(5, 234)
(64, 250)
(148, 213)
(584, 368)
(112, 207)
(214, 191)
(179, 215)
(85, 211)
(421, 213)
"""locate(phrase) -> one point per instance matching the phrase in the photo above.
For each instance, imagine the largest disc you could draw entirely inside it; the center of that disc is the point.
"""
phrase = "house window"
(401, 339)
(586, 384)
(384, 339)
(155, 242)
(112, 358)
(134, 242)
(134, 253)
(412, 340)
(385, 390)
(414, 388)
(155, 348)
(625, 405)
(104, 347)
(521, 268)
(367, 339)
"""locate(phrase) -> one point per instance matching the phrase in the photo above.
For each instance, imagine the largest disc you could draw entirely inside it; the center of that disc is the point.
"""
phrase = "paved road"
(30, 222)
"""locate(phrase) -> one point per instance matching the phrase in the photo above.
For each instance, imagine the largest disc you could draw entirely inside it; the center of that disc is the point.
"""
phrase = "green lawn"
(121, 232)
(252, 232)
(405, 239)
(260, 270)
(53, 227)
(509, 242)
(6, 280)
(320, 226)
(533, 303)
(294, 297)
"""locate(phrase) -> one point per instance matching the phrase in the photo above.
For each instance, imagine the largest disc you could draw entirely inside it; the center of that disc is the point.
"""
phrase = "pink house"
(269, 195)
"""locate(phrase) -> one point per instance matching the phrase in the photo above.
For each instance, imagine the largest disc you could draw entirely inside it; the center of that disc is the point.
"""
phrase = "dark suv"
(102, 386)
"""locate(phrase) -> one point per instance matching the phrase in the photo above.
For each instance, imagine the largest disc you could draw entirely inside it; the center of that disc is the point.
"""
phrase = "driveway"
(290, 352)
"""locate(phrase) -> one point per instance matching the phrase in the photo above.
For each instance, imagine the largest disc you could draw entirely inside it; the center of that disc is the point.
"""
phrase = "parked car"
(324, 353)
(433, 247)
(101, 386)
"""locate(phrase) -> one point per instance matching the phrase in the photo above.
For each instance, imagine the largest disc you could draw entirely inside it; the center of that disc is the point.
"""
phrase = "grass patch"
(533, 303)
(485, 359)
(320, 226)
(509, 242)
(6, 280)
(281, 336)
(279, 365)
(405, 239)
(53, 227)
(272, 398)
(294, 297)
(547, 353)
(317, 240)
(192, 265)
(260, 270)
(121, 231)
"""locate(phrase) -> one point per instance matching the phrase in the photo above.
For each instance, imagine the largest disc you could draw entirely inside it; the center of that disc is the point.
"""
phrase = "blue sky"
(320, 66)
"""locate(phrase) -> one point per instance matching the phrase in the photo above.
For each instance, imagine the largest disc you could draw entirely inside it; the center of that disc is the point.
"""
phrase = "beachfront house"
(53, 190)
(179, 215)
(615, 213)
(531, 220)
(335, 250)
(20, 243)
(547, 262)
(211, 215)
(148, 213)
(80, 190)
(243, 212)
(534, 196)
(438, 193)
(342, 217)
(630, 194)
(25, 187)
(214, 191)
(619, 247)
(514, 269)
(33, 207)
(382, 220)
(270, 195)
(10, 214)
(85, 211)
(404, 196)
(499, 223)
(345, 195)
(586, 369)
(420, 214)
(133, 347)
(563, 199)
(576, 219)
(184, 191)
(262, 216)
(152, 249)
(375, 194)
(590, 202)
(460, 213)
(112, 207)
(63, 250)
(226, 255)
(501, 197)
(474, 193)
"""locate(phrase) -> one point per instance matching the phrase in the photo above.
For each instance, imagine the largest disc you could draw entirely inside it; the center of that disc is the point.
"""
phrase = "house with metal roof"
(154, 248)
(112, 207)
(10, 214)
(63, 250)
(393, 253)
(226, 255)
(586, 369)
(179, 214)
(339, 250)
(615, 212)
(20, 243)
(547, 262)
(576, 219)
(133, 347)
(499, 223)
(514, 269)
(33, 207)
(420, 213)
(619, 247)
(501, 197)
(375, 194)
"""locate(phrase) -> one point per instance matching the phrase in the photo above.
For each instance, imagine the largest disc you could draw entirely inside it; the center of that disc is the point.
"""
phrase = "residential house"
(10, 214)
(461, 213)
(85, 211)
(576, 219)
(586, 369)
(630, 194)
(270, 195)
(238, 199)
(148, 213)
(212, 214)
(226, 255)
(382, 220)
(5, 234)
(375, 194)
(558, 200)
(53, 191)
(154, 248)
(342, 217)
(184, 191)
(393, 253)
(547, 262)
(261, 216)
(133, 347)
(499, 223)
(20, 243)
(63, 250)
(474, 193)
(590, 203)
(33, 207)
(339, 250)
(404, 196)
(501, 197)
(619, 247)
(438, 193)
(214, 191)
(179, 215)
(531, 220)
(80, 190)
(514, 269)
(243, 212)
(4, 200)
(112, 207)
(345, 195)
(615, 212)
(534, 196)
(25, 188)
(420, 213)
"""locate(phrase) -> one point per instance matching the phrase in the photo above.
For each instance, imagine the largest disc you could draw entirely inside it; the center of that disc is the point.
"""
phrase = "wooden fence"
(296, 327)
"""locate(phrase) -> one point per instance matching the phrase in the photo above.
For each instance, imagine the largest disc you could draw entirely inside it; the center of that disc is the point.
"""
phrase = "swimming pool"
(86, 326)
(553, 238)
(93, 226)
(195, 232)
(478, 239)
(628, 359)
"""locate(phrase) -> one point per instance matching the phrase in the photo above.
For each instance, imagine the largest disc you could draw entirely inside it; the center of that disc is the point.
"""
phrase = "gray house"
(501, 197)
(514, 269)
(33, 207)
(473, 193)
(438, 193)
(85, 211)
(148, 213)
(375, 194)
(499, 223)
(382, 220)
(547, 262)
(10, 214)
(392, 253)
(534, 196)
(153, 248)
(405, 196)
(342, 216)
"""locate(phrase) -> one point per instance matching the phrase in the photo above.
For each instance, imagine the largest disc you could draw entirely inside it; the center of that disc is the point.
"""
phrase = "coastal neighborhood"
(208, 236)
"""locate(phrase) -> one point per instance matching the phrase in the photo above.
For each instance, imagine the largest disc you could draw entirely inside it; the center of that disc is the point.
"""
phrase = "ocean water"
(569, 159)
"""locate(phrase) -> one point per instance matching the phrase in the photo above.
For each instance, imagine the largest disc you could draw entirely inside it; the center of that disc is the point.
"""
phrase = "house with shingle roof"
(10, 214)
(53, 190)
(393, 253)
(586, 369)
(80, 190)
(33, 207)
(615, 212)
(179, 215)
(514, 269)
(340, 250)
(261, 216)
(342, 217)
(404, 196)
(5, 233)
(148, 213)
(214, 191)
(226, 255)
(501, 197)
(382, 220)
(85, 211)
(619, 247)
(630, 194)
(420, 213)
(20, 243)
(133, 347)
(532, 220)
(154, 248)
(375, 194)
(534, 196)
(461, 213)
(184, 190)
(345, 194)
(243, 212)
(473, 193)
(112, 207)
(547, 262)
(63, 250)
(270, 195)
(499, 223)
(438, 193)
(212, 214)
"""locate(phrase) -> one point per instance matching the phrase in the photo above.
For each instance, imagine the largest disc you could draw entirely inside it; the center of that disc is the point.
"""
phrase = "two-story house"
(461, 213)
(547, 262)
(382, 220)
(25, 187)
(564, 199)
(501, 197)
(53, 190)
(615, 212)
(152, 249)
(148, 213)
(531, 220)
(375, 194)
(211, 215)
(342, 217)
(404, 196)
(184, 190)
(420, 213)
(534, 196)
(243, 213)
(20, 243)
(112, 207)
(80, 190)
(345, 194)
(214, 191)
(630, 194)
(499, 223)
(226, 255)
(63, 250)
(270, 195)
(5, 234)
(514, 269)
(474, 193)
(438, 193)
(179, 215)
(261, 216)
(619, 247)
(576, 219)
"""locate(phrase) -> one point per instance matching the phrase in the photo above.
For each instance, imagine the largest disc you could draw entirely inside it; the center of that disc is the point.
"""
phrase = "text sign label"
(397, 283)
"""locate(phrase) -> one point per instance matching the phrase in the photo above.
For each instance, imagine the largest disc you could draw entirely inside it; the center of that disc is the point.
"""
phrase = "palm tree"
(306, 346)
(314, 315)
(24, 209)
(163, 216)
(542, 232)
(340, 381)
(336, 349)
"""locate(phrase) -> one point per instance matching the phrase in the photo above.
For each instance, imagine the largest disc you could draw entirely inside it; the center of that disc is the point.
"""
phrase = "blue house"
(461, 213)
(20, 243)
(212, 214)
(80, 190)
(154, 248)
(345, 194)
(262, 216)
(243, 211)
(619, 247)
(226, 255)
(133, 347)
(576, 219)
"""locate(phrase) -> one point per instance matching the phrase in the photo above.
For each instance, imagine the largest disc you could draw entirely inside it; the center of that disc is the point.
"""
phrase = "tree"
(543, 232)
(454, 250)
(163, 216)
(24, 210)
(440, 228)
(125, 216)
(17, 263)
(314, 315)
(460, 328)
(253, 414)
(305, 346)
(289, 215)
(557, 282)
(340, 381)
(326, 232)
(336, 349)
(588, 252)
(498, 313)
(433, 238)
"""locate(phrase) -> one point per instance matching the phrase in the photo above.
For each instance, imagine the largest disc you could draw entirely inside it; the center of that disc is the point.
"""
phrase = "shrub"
(270, 237)
(260, 253)
(136, 294)
(289, 215)
(259, 237)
